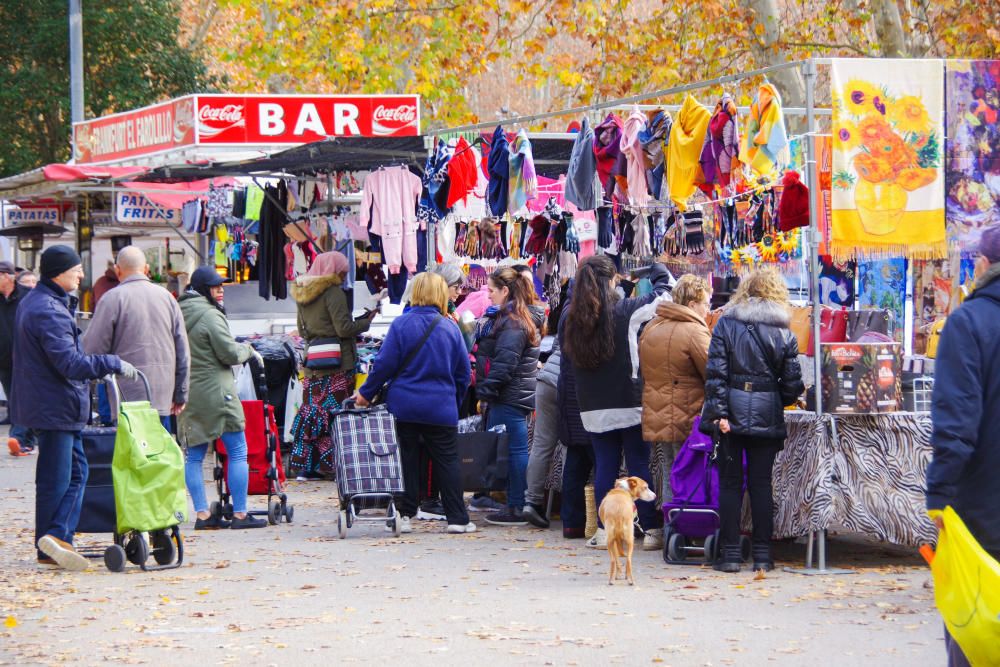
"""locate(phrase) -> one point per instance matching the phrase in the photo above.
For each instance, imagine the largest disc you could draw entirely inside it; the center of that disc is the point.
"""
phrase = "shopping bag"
(967, 590)
(801, 325)
(293, 401)
(148, 471)
(484, 459)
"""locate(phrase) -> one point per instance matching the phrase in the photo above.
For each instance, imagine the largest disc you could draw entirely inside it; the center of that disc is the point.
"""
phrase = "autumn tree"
(131, 59)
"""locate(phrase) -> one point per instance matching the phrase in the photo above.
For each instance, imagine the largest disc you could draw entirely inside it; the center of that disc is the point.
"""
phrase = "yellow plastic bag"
(967, 590)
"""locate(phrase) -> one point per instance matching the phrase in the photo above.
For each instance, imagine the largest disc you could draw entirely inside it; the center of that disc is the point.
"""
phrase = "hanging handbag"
(934, 338)
(860, 322)
(323, 354)
(801, 325)
(832, 327)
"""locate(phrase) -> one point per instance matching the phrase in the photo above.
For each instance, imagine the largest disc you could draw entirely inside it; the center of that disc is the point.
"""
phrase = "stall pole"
(817, 538)
(75, 66)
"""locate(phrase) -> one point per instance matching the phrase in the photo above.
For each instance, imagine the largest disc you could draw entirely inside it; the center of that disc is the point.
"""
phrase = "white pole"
(75, 66)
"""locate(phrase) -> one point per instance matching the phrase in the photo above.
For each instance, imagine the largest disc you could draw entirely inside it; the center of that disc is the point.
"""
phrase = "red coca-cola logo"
(390, 120)
(231, 113)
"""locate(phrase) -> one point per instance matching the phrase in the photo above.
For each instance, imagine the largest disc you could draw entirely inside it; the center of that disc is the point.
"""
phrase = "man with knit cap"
(142, 323)
(50, 394)
(966, 402)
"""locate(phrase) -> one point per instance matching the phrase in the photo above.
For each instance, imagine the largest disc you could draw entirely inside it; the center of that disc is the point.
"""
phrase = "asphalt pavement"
(298, 595)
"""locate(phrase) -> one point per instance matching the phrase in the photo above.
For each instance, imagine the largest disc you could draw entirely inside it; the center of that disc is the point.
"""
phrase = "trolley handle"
(110, 379)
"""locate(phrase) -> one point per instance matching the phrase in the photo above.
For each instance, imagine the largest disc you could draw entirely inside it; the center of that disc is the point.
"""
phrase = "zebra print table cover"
(862, 473)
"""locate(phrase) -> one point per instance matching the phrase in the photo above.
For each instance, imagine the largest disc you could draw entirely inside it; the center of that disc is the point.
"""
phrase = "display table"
(862, 473)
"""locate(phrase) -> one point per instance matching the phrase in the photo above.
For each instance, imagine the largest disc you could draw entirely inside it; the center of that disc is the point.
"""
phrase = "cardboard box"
(862, 378)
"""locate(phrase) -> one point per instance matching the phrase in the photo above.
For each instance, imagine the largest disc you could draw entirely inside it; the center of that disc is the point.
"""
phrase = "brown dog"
(617, 511)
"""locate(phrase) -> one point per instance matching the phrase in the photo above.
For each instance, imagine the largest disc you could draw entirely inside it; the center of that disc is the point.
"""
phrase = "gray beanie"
(452, 273)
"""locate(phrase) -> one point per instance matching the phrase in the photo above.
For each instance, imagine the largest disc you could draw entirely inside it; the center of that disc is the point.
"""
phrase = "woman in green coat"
(324, 316)
(213, 410)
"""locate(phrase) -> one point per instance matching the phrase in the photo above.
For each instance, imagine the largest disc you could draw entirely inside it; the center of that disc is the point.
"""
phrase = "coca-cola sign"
(296, 119)
(244, 120)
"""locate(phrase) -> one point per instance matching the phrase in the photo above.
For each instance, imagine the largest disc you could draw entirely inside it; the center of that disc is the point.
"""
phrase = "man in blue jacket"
(50, 394)
(966, 404)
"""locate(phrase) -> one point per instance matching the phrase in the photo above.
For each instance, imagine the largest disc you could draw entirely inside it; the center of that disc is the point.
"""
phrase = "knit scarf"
(653, 138)
(766, 138)
(498, 164)
(523, 183)
(687, 136)
(579, 188)
(607, 147)
(632, 149)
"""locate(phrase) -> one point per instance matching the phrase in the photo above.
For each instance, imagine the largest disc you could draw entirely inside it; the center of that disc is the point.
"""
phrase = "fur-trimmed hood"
(307, 289)
(756, 310)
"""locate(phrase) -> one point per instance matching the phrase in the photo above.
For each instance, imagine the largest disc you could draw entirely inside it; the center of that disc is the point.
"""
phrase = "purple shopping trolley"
(693, 513)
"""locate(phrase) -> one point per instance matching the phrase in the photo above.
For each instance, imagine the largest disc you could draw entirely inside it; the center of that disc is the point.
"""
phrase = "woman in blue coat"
(424, 360)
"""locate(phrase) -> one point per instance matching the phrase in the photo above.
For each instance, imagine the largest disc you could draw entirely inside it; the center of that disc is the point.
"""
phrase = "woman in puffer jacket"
(753, 372)
(506, 351)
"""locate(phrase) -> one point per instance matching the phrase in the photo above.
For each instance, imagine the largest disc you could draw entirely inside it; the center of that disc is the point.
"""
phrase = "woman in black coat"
(753, 372)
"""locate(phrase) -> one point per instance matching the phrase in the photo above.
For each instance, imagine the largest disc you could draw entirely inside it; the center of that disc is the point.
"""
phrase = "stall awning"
(71, 173)
(175, 195)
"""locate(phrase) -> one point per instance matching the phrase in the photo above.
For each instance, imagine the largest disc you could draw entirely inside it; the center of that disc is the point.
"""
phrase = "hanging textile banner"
(972, 149)
(836, 282)
(882, 284)
(888, 181)
(936, 294)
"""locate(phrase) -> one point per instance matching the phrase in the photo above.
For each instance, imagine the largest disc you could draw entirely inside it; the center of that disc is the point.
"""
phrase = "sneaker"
(507, 517)
(653, 540)
(14, 447)
(63, 554)
(485, 504)
(247, 522)
(46, 563)
(534, 514)
(599, 540)
(457, 528)
(431, 510)
(211, 523)
(404, 525)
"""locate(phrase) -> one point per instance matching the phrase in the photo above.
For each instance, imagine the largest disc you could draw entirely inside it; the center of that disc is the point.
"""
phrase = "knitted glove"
(472, 242)
(515, 240)
(461, 232)
(694, 234)
(659, 233)
(605, 227)
(552, 242)
(487, 238)
(572, 243)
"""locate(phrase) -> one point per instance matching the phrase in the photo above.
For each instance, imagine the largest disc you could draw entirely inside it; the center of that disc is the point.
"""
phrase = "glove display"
(572, 243)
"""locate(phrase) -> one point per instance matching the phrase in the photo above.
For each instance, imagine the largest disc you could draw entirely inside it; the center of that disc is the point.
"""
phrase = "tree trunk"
(889, 28)
(788, 81)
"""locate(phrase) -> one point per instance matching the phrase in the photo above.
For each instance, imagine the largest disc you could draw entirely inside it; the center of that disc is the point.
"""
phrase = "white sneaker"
(457, 528)
(404, 525)
(63, 554)
(599, 540)
(653, 540)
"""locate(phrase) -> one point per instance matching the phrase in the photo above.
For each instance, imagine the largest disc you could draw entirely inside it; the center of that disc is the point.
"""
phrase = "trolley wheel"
(215, 509)
(289, 513)
(227, 511)
(114, 558)
(745, 550)
(397, 527)
(675, 547)
(711, 544)
(342, 524)
(667, 533)
(273, 512)
(164, 549)
(136, 549)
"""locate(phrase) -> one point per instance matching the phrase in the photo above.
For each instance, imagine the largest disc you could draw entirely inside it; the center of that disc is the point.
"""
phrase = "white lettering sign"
(271, 122)
(135, 208)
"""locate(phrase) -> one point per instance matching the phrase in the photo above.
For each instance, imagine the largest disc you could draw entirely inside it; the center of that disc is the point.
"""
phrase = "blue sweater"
(428, 391)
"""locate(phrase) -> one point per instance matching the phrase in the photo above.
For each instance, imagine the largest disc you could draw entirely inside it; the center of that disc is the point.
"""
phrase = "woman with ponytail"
(594, 338)
(507, 346)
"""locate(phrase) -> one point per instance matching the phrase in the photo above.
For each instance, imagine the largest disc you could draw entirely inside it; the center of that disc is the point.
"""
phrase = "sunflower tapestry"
(888, 181)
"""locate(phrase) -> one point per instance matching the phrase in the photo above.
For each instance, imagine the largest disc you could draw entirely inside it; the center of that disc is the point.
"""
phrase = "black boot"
(729, 559)
(762, 557)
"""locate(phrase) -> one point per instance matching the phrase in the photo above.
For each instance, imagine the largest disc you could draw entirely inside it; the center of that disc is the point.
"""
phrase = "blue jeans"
(60, 477)
(608, 448)
(238, 477)
(516, 421)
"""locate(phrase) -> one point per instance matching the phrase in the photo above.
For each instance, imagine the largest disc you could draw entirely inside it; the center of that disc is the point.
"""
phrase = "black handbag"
(483, 460)
(860, 322)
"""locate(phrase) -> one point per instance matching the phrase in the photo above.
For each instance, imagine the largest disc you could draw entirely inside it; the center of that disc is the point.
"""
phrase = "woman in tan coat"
(673, 351)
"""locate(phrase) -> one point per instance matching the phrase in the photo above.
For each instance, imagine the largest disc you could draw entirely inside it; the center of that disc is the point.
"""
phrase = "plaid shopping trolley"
(369, 471)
